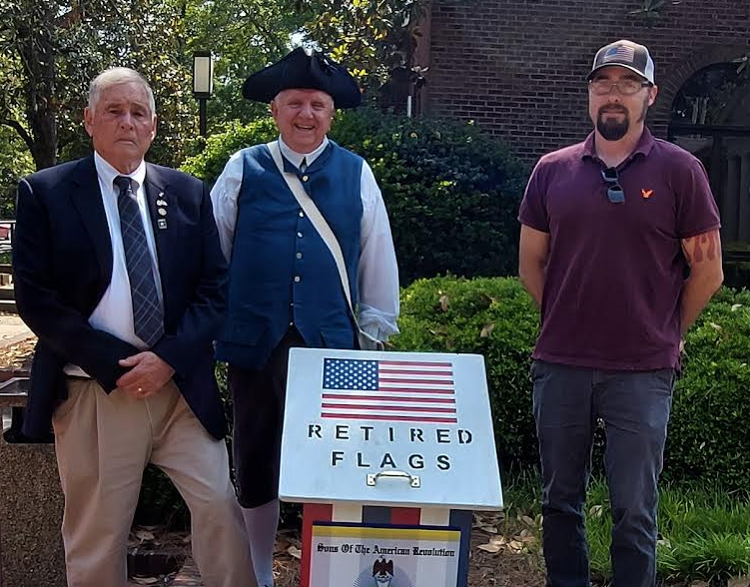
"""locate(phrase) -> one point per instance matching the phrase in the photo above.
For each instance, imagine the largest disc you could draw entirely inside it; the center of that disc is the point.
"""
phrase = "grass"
(704, 531)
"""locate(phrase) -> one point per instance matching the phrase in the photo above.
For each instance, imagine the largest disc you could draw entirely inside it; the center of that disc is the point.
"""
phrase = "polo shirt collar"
(643, 146)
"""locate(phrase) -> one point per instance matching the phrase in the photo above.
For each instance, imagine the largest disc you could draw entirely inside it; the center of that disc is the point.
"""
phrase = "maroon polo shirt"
(615, 271)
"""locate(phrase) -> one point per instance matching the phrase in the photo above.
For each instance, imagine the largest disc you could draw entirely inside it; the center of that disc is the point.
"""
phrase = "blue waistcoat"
(281, 272)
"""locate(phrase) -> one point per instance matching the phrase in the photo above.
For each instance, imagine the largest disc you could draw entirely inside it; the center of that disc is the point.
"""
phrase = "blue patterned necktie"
(148, 317)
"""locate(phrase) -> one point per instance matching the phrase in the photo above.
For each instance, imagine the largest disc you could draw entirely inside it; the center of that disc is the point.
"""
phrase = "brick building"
(517, 67)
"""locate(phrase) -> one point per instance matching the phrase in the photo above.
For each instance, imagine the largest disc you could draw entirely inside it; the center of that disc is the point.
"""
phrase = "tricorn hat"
(298, 70)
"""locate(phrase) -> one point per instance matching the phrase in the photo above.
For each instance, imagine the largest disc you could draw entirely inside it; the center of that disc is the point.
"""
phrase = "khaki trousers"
(103, 443)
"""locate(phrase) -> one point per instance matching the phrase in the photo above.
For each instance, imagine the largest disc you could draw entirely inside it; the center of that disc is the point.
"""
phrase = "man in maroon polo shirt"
(610, 229)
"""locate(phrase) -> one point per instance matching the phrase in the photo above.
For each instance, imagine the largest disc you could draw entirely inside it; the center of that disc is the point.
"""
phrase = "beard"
(613, 129)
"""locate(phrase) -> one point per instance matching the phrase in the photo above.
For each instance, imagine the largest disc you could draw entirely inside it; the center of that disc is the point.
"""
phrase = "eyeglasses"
(627, 87)
(615, 193)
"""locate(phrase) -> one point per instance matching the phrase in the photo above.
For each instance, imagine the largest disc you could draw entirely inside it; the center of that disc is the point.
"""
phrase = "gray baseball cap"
(625, 54)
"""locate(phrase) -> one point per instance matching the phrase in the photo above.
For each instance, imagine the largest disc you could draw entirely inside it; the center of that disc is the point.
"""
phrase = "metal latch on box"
(372, 478)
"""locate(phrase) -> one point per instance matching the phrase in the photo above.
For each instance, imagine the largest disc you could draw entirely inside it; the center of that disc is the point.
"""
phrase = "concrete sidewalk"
(12, 330)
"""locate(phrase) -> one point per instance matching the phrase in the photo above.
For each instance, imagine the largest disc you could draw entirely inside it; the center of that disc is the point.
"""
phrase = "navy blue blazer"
(62, 264)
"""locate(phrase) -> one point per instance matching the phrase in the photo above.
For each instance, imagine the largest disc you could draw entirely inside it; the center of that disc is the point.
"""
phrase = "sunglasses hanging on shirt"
(615, 193)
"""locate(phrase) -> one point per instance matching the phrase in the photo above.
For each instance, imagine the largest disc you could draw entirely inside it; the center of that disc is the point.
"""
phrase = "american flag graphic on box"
(388, 390)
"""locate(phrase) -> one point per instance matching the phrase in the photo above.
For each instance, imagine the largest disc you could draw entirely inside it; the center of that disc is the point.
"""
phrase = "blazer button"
(297, 279)
(301, 214)
(305, 178)
(299, 235)
(299, 255)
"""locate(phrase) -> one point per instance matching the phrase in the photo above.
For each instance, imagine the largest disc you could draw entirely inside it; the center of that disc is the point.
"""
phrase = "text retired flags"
(396, 391)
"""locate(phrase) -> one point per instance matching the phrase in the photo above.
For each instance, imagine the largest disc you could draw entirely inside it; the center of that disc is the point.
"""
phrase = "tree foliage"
(244, 36)
(49, 52)
(371, 37)
(52, 50)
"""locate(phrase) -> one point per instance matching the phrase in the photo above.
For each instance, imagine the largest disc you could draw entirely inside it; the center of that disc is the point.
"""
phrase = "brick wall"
(517, 67)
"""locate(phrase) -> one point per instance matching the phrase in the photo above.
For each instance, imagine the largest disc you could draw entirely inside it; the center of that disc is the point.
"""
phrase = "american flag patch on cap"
(619, 53)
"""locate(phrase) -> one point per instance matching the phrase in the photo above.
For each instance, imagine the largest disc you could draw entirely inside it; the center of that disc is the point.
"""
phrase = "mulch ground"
(497, 559)
(503, 554)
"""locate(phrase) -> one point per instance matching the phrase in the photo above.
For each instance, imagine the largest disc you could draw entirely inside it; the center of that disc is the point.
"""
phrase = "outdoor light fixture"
(203, 84)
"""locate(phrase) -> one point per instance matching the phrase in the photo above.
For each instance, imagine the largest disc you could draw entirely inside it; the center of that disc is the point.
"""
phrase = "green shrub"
(708, 434)
(708, 431)
(492, 317)
(709, 437)
(452, 193)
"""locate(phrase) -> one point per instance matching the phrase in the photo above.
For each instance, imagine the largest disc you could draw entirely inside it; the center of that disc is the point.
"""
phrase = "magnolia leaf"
(295, 552)
(444, 303)
(487, 330)
(490, 547)
(739, 581)
(595, 511)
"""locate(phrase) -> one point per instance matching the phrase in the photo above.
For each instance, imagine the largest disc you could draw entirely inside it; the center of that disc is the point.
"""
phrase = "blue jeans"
(634, 406)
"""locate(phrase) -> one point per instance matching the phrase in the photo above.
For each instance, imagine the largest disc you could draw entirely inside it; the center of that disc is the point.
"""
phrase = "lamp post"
(203, 84)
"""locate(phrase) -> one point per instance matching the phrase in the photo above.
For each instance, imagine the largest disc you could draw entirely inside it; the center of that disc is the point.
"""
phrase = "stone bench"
(31, 503)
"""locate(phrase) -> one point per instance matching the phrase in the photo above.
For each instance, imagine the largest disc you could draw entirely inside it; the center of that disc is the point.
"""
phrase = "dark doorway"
(711, 119)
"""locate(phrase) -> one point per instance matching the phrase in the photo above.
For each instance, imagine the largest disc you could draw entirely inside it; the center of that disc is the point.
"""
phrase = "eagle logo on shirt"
(646, 193)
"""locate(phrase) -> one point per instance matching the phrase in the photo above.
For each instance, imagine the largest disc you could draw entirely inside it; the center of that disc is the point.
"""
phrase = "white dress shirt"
(114, 313)
(378, 272)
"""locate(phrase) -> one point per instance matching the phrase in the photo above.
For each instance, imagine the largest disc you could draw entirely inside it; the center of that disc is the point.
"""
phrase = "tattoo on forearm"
(686, 249)
(701, 247)
(712, 246)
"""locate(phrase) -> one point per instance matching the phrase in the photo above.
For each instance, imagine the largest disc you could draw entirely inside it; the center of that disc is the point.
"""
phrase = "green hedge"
(708, 431)
(452, 193)
(493, 317)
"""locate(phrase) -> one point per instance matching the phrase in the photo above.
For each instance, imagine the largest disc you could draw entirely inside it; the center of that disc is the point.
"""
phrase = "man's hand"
(149, 373)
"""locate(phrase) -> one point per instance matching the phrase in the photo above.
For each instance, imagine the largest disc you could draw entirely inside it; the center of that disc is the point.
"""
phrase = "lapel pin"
(161, 203)
(161, 211)
(162, 223)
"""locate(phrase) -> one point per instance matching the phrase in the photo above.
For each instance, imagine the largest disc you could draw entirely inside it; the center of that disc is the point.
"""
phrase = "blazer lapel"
(87, 200)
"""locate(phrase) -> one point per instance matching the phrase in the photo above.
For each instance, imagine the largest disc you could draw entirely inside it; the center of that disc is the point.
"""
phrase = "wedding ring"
(140, 389)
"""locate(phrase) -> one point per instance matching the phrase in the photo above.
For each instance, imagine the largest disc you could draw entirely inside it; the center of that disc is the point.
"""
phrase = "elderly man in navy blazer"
(119, 272)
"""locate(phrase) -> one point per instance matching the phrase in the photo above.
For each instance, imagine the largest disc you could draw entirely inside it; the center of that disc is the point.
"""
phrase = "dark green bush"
(452, 193)
(494, 317)
(708, 431)
(491, 317)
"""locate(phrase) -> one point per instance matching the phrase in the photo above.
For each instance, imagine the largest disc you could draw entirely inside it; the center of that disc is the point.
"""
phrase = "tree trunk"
(38, 54)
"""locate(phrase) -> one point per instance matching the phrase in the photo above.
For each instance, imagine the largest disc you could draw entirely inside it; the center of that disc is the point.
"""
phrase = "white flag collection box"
(390, 452)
